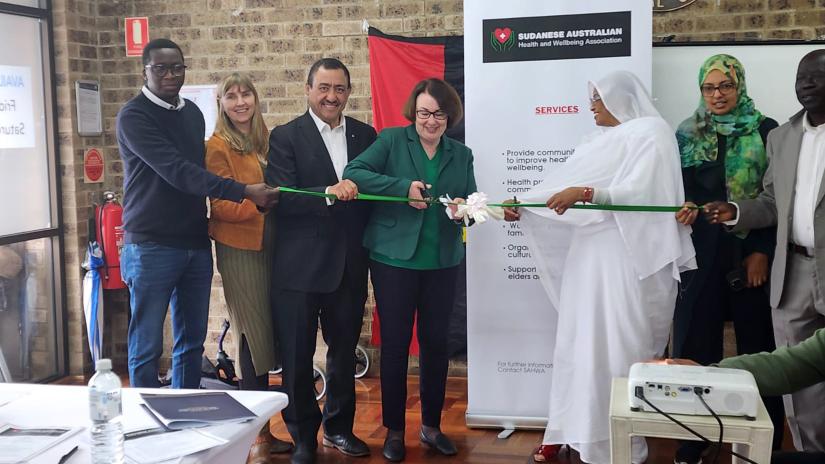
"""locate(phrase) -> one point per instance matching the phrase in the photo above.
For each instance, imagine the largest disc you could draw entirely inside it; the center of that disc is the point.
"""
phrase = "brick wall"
(276, 41)
(706, 20)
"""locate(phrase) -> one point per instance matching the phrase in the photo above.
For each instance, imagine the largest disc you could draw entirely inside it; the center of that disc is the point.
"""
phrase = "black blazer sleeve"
(282, 169)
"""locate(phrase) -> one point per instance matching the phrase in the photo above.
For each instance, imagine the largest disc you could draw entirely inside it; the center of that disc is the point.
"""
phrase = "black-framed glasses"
(425, 114)
(725, 88)
(160, 70)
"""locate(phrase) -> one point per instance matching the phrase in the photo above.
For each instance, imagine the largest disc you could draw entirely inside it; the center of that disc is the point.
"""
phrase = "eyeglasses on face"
(725, 88)
(425, 114)
(595, 97)
(160, 70)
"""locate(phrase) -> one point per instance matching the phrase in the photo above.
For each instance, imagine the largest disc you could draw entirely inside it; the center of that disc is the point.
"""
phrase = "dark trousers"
(403, 296)
(714, 303)
(296, 315)
(250, 381)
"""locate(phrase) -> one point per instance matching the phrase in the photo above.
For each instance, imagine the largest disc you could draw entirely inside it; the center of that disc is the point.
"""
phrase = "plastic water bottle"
(105, 409)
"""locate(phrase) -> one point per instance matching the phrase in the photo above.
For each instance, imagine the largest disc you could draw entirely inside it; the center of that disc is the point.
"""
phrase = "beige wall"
(743, 20)
(276, 41)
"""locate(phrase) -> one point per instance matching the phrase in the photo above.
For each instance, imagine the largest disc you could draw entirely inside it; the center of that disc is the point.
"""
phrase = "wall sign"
(205, 97)
(137, 35)
(89, 117)
(94, 166)
(660, 6)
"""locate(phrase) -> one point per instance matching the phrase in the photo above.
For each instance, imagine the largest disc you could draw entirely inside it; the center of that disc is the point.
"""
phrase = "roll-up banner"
(526, 69)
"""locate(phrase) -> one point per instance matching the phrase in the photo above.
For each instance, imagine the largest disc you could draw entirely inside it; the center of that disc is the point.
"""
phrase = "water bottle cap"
(103, 364)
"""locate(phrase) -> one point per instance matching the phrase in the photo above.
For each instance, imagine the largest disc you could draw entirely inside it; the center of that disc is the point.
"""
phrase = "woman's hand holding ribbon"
(563, 200)
(688, 214)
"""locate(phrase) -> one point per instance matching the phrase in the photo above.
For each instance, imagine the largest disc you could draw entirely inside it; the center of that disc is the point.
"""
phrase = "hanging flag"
(93, 299)
(398, 63)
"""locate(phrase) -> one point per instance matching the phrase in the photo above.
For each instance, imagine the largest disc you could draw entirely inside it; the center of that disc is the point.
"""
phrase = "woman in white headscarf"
(612, 276)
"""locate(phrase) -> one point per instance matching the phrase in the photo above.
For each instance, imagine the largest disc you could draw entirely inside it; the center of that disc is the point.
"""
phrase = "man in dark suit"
(320, 266)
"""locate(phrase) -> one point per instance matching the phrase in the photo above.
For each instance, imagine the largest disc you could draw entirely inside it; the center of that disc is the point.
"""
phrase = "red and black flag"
(398, 63)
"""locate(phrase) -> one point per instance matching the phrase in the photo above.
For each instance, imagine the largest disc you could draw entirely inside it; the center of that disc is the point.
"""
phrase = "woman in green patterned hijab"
(725, 109)
(722, 148)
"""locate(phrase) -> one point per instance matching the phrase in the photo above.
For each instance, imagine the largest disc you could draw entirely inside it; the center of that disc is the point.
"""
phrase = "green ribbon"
(630, 208)
(359, 196)
(433, 201)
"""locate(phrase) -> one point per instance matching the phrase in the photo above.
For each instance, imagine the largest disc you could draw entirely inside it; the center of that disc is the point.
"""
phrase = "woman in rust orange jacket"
(243, 241)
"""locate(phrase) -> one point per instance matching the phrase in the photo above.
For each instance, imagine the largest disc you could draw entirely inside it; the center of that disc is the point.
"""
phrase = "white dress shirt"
(809, 174)
(336, 142)
(335, 139)
(163, 103)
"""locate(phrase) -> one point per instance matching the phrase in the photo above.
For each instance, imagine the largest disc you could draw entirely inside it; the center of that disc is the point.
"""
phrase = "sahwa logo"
(502, 39)
(560, 37)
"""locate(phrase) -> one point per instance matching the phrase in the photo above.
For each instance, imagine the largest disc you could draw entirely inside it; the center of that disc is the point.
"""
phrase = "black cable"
(698, 392)
(639, 393)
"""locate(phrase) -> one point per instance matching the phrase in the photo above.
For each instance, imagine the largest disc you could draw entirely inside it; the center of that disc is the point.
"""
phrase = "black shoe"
(279, 446)
(348, 444)
(394, 449)
(305, 453)
(440, 443)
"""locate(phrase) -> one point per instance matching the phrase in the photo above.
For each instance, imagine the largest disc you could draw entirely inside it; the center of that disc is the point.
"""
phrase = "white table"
(59, 405)
(750, 438)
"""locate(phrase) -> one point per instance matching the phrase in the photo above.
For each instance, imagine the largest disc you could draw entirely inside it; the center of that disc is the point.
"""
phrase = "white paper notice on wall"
(205, 96)
(89, 117)
(16, 114)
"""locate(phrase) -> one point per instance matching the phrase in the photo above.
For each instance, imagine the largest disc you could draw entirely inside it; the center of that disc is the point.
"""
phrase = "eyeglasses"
(725, 88)
(160, 70)
(425, 114)
(595, 97)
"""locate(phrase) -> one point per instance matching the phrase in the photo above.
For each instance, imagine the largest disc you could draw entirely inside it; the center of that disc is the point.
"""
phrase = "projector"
(676, 389)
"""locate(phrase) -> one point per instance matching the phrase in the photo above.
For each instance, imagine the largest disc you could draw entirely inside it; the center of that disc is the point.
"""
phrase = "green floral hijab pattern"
(745, 159)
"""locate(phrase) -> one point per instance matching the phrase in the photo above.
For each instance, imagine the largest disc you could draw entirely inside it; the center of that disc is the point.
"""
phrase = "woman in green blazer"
(415, 251)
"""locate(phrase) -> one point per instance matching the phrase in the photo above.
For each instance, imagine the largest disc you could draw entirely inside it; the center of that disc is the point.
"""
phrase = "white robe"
(612, 276)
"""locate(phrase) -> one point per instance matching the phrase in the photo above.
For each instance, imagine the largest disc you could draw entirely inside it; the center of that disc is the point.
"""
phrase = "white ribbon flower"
(474, 208)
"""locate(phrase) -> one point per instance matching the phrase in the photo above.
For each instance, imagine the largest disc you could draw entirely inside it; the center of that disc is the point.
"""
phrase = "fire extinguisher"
(109, 231)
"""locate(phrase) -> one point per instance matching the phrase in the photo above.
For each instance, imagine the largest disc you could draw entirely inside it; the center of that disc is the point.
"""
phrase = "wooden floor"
(477, 446)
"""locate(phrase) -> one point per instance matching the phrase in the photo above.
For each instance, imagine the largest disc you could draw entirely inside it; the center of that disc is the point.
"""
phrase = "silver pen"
(68, 455)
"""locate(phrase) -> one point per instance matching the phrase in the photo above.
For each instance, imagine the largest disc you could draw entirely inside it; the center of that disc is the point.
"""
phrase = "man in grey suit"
(792, 201)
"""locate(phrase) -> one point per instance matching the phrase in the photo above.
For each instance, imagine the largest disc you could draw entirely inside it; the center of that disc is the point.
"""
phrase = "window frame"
(55, 233)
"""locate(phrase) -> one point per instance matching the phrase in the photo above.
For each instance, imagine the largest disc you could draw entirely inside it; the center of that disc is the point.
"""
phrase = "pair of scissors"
(426, 195)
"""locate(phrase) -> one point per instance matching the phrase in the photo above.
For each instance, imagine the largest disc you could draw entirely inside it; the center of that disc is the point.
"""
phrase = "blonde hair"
(257, 141)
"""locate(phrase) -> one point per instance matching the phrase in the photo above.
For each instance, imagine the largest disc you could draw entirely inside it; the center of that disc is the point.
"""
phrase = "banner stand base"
(508, 423)
(505, 434)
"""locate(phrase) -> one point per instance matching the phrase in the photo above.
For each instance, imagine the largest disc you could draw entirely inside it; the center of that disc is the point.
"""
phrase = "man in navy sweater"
(167, 255)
